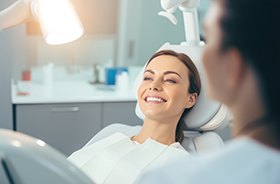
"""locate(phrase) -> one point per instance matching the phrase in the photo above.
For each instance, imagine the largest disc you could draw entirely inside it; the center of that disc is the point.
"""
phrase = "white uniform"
(119, 160)
(242, 161)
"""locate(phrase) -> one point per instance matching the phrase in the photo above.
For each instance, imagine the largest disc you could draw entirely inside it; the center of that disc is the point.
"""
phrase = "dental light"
(189, 9)
(58, 20)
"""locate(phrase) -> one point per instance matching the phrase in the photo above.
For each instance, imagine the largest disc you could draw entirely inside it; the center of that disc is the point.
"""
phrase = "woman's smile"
(154, 99)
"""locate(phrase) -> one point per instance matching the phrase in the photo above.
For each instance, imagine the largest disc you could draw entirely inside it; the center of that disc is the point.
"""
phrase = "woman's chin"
(154, 115)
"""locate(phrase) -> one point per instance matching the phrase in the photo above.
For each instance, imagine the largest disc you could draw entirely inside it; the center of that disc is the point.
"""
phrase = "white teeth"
(154, 99)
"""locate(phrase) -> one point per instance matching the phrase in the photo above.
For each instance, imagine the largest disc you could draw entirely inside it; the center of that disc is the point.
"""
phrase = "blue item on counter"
(111, 72)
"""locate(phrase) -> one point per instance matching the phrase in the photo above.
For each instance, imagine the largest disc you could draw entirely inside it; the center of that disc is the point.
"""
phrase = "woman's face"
(214, 60)
(163, 92)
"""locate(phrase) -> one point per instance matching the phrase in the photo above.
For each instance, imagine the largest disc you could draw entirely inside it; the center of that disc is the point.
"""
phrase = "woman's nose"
(155, 85)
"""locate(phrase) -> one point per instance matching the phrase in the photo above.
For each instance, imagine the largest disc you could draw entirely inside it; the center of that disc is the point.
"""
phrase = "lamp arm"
(15, 14)
(189, 9)
(191, 22)
(169, 4)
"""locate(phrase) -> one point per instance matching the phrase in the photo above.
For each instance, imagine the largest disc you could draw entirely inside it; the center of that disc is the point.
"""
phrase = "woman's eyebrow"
(172, 72)
(165, 73)
(149, 71)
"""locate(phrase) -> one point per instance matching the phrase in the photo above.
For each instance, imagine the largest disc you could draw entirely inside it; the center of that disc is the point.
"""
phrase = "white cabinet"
(67, 127)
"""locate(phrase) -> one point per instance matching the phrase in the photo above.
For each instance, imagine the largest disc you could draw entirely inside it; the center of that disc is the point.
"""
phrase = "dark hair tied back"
(251, 27)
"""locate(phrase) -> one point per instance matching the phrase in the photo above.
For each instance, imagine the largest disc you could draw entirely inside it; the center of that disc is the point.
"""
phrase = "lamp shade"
(58, 20)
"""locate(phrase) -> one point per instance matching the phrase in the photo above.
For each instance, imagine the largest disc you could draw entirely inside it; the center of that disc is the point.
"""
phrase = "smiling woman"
(169, 89)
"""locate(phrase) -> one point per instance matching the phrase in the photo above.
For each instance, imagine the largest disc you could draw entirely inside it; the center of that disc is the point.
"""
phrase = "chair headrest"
(206, 114)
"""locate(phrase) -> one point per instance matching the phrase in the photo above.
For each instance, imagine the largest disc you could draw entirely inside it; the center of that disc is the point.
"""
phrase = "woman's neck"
(246, 106)
(245, 102)
(250, 120)
(161, 131)
(268, 135)
(243, 121)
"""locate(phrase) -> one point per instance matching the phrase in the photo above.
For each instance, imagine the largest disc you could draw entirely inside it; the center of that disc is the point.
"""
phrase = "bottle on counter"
(122, 80)
(48, 74)
(23, 86)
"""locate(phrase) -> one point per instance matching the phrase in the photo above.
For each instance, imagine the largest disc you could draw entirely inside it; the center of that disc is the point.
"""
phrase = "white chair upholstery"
(193, 142)
(27, 160)
(206, 116)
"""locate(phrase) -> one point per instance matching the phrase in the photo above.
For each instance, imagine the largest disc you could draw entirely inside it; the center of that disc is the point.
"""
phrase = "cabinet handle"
(65, 109)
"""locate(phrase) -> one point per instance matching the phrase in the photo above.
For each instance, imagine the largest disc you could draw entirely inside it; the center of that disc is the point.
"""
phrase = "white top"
(242, 161)
(118, 159)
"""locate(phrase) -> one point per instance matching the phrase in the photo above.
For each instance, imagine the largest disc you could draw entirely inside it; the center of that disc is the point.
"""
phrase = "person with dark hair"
(242, 62)
(168, 90)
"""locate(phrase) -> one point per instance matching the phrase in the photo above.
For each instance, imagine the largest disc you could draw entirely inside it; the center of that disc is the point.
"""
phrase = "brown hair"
(194, 87)
(258, 51)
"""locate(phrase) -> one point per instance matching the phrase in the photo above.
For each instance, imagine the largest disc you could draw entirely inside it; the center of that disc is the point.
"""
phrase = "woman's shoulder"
(241, 150)
(243, 147)
(251, 145)
(112, 129)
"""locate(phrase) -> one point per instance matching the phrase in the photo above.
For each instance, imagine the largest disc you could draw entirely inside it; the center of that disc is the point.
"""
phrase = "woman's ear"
(191, 100)
(235, 70)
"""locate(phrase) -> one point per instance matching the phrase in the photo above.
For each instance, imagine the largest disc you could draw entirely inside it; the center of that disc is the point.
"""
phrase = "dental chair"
(27, 160)
(205, 117)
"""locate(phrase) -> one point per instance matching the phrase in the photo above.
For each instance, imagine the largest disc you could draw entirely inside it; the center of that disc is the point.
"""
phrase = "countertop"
(68, 92)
